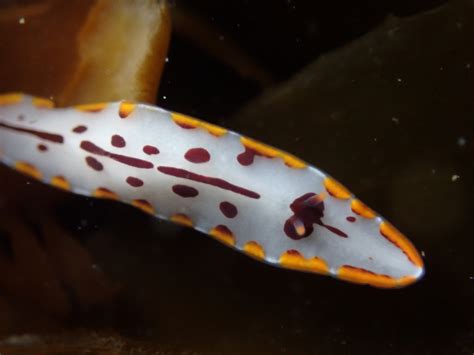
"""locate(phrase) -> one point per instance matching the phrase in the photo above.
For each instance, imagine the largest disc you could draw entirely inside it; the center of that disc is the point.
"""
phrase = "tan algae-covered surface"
(83, 51)
(388, 113)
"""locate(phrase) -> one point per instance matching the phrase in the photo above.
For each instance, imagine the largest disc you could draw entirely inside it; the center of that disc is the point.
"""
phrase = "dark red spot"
(308, 209)
(79, 129)
(185, 191)
(118, 141)
(135, 162)
(351, 219)
(228, 209)
(150, 150)
(135, 182)
(248, 155)
(185, 174)
(94, 163)
(56, 138)
(42, 148)
(197, 155)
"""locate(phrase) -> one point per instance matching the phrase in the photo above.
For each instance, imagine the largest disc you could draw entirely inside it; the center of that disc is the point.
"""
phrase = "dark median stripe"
(181, 173)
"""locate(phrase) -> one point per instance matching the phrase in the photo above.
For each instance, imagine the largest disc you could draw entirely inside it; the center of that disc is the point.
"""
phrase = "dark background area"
(282, 36)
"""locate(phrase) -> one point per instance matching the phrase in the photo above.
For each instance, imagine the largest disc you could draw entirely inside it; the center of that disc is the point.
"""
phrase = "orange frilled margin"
(292, 259)
(361, 276)
(191, 122)
(397, 238)
(272, 152)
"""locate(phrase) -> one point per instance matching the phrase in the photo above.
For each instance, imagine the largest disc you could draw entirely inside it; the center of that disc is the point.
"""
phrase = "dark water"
(387, 109)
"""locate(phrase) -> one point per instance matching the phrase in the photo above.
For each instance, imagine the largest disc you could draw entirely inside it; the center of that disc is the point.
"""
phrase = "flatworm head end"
(335, 234)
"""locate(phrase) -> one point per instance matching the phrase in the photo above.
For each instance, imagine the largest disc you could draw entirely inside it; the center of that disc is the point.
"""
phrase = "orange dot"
(271, 152)
(361, 209)
(28, 169)
(214, 129)
(41, 102)
(60, 182)
(95, 107)
(10, 98)
(255, 250)
(259, 147)
(293, 162)
(336, 189)
(292, 259)
(126, 108)
(191, 122)
(223, 234)
(183, 120)
(182, 219)
(102, 192)
(144, 205)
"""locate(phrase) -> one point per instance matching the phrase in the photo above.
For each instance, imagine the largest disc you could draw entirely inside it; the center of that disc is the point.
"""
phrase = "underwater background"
(378, 94)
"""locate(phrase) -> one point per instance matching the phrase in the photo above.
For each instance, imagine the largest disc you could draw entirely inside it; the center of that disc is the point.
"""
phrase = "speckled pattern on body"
(250, 196)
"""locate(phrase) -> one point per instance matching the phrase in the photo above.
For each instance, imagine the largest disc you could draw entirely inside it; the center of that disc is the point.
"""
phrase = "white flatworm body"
(260, 200)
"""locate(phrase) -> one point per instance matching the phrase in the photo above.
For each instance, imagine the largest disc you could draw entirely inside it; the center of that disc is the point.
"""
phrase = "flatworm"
(250, 196)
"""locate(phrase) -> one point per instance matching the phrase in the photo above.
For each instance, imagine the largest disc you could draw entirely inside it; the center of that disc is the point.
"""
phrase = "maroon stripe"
(135, 162)
(56, 138)
(181, 173)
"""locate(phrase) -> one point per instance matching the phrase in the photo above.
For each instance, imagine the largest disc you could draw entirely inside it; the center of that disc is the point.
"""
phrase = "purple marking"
(42, 148)
(185, 191)
(130, 161)
(308, 210)
(56, 138)
(151, 150)
(185, 174)
(228, 209)
(197, 155)
(118, 141)
(79, 129)
(135, 182)
(247, 157)
(351, 219)
(94, 163)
